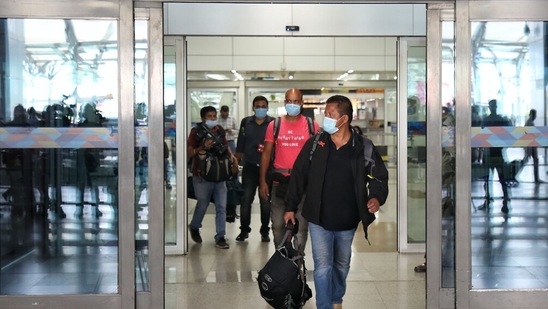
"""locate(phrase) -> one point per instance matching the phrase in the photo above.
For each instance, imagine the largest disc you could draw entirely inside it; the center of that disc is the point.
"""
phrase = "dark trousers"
(250, 183)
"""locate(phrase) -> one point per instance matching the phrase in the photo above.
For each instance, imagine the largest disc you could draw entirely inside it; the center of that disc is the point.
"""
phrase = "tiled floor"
(211, 278)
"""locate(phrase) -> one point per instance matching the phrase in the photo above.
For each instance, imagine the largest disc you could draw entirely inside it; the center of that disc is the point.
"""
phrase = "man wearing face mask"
(248, 152)
(200, 143)
(280, 152)
(340, 189)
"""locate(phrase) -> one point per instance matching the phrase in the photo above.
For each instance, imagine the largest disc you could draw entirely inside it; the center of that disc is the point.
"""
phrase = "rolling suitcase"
(282, 281)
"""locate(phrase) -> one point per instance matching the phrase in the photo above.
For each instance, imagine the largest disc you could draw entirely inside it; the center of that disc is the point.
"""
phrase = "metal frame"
(156, 150)
(435, 298)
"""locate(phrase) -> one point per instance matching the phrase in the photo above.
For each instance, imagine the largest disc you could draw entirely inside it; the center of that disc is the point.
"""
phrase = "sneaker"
(221, 243)
(243, 236)
(265, 238)
(195, 235)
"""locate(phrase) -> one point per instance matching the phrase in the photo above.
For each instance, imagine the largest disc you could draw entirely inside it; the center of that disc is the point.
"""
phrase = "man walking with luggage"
(344, 181)
(281, 146)
(248, 152)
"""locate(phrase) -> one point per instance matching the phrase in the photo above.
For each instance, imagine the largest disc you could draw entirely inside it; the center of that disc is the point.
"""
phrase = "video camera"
(203, 134)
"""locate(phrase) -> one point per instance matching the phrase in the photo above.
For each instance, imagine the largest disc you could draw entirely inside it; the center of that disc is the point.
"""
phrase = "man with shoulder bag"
(212, 165)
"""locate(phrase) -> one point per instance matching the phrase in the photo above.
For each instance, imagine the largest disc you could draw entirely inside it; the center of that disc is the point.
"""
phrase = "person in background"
(280, 152)
(229, 124)
(532, 152)
(493, 157)
(340, 189)
(248, 152)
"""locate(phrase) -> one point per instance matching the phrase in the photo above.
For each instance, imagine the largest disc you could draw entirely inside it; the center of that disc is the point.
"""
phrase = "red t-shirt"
(291, 138)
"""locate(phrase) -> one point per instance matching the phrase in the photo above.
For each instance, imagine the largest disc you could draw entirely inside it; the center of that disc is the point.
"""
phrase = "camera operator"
(208, 139)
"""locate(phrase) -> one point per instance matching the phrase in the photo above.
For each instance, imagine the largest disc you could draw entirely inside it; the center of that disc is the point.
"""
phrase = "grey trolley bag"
(282, 281)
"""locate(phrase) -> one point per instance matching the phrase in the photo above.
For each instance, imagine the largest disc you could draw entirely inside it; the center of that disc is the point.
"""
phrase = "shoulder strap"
(314, 146)
(276, 128)
(310, 125)
(368, 153)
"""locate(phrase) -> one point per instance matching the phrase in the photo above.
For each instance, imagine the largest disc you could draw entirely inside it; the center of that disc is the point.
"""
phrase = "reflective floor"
(208, 277)
(508, 251)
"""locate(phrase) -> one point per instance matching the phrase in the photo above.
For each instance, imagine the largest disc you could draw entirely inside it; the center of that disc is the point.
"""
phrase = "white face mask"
(330, 125)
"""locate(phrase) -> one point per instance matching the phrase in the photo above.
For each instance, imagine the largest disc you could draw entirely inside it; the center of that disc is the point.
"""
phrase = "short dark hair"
(258, 99)
(207, 109)
(344, 106)
(224, 108)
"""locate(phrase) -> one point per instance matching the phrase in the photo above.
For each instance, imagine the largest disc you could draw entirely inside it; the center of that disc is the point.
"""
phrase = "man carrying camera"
(206, 144)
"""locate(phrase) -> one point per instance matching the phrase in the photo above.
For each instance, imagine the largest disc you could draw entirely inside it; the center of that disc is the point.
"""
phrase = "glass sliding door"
(59, 157)
(509, 193)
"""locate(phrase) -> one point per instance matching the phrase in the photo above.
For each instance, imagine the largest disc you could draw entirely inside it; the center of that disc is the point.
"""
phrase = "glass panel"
(216, 98)
(59, 158)
(508, 222)
(416, 144)
(170, 95)
(141, 155)
(448, 156)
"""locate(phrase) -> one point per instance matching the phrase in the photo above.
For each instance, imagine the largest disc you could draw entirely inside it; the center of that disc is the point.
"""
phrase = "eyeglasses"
(293, 101)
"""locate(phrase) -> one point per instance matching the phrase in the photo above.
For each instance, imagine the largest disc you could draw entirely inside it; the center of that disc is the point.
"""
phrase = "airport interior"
(98, 98)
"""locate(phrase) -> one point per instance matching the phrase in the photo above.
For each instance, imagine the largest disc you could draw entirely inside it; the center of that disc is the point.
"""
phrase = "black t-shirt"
(339, 210)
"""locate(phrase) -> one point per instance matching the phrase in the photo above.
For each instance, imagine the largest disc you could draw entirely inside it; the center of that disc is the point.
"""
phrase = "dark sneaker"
(265, 238)
(504, 208)
(221, 243)
(195, 235)
(243, 236)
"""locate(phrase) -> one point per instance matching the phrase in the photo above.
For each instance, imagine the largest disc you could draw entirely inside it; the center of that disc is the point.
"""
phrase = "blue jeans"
(250, 182)
(204, 190)
(331, 251)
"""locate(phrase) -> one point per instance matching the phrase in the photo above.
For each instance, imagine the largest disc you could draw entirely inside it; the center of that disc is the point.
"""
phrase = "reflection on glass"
(509, 235)
(448, 184)
(141, 155)
(170, 150)
(416, 144)
(59, 186)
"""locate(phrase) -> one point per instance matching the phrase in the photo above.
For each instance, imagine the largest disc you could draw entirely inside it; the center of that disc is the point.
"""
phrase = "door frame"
(403, 245)
(468, 11)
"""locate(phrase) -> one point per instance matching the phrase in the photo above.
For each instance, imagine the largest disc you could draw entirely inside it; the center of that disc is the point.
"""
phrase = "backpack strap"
(368, 156)
(310, 125)
(276, 128)
(314, 145)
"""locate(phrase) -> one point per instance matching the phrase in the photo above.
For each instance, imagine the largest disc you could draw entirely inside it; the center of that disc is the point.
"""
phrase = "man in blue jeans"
(248, 152)
(200, 144)
(341, 189)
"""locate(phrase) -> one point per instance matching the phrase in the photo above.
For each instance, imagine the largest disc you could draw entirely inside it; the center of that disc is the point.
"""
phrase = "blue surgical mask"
(261, 112)
(292, 109)
(330, 125)
(211, 123)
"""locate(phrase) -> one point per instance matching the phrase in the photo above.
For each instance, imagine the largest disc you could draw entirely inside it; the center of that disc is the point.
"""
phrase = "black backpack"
(282, 281)
(216, 164)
